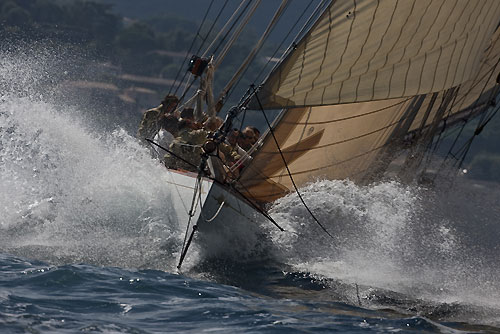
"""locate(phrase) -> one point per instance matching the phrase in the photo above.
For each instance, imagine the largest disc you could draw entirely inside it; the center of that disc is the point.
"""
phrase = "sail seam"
(454, 46)
(466, 40)
(378, 49)
(441, 46)
(474, 42)
(350, 117)
(361, 51)
(345, 140)
(389, 52)
(343, 53)
(432, 48)
(405, 49)
(480, 49)
(324, 56)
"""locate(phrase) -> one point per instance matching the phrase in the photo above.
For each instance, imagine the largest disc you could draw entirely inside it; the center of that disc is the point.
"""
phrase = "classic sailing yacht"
(363, 81)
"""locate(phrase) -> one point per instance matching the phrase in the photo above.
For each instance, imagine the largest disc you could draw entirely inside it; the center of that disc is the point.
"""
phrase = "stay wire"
(202, 42)
(231, 28)
(286, 165)
(170, 152)
(212, 26)
(198, 185)
(228, 95)
(252, 204)
(450, 151)
(283, 41)
(191, 47)
(482, 123)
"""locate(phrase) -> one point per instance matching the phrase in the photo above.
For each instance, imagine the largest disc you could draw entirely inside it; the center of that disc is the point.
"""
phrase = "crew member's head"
(212, 123)
(169, 104)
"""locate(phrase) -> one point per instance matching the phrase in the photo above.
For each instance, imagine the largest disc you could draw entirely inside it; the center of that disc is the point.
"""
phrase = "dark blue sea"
(88, 243)
(37, 297)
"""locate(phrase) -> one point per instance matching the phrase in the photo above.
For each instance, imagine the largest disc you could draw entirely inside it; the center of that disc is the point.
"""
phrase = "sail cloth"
(356, 140)
(335, 142)
(365, 50)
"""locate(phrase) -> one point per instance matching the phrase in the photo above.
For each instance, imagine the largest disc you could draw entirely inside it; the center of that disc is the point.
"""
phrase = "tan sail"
(354, 140)
(473, 94)
(334, 141)
(364, 50)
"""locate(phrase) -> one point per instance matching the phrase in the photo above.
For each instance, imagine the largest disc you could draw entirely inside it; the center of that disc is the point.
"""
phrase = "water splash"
(69, 193)
(396, 242)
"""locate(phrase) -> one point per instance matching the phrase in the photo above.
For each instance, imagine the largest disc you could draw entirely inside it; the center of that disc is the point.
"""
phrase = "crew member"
(149, 124)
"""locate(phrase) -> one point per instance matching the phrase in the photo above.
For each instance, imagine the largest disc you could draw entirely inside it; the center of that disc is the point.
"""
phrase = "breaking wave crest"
(393, 242)
(69, 193)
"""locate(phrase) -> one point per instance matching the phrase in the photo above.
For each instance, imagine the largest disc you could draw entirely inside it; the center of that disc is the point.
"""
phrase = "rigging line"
(476, 81)
(442, 135)
(319, 8)
(198, 186)
(240, 14)
(191, 46)
(316, 10)
(187, 89)
(466, 146)
(170, 174)
(251, 56)
(463, 125)
(242, 121)
(172, 153)
(256, 207)
(191, 213)
(251, 203)
(478, 130)
(236, 33)
(203, 41)
(463, 150)
(283, 41)
(287, 168)
(212, 26)
(185, 245)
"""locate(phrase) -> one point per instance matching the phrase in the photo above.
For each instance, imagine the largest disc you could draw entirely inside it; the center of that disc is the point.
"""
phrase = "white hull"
(224, 219)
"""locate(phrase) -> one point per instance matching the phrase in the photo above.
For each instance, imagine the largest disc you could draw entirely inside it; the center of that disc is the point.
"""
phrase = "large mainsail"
(367, 76)
(365, 50)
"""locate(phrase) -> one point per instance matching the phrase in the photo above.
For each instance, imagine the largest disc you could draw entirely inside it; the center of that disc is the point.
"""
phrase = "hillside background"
(131, 52)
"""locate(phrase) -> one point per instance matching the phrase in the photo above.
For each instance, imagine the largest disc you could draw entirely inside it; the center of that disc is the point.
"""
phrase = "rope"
(287, 35)
(187, 241)
(252, 204)
(203, 42)
(257, 47)
(287, 168)
(224, 27)
(191, 47)
(236, 34)
(172, 153)
(216, 213)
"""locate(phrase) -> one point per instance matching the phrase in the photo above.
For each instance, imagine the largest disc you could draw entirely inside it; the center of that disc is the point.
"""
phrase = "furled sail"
(365, 50)
(355, 140)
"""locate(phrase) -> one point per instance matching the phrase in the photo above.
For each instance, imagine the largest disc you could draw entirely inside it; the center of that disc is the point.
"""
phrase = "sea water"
(88, 242)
